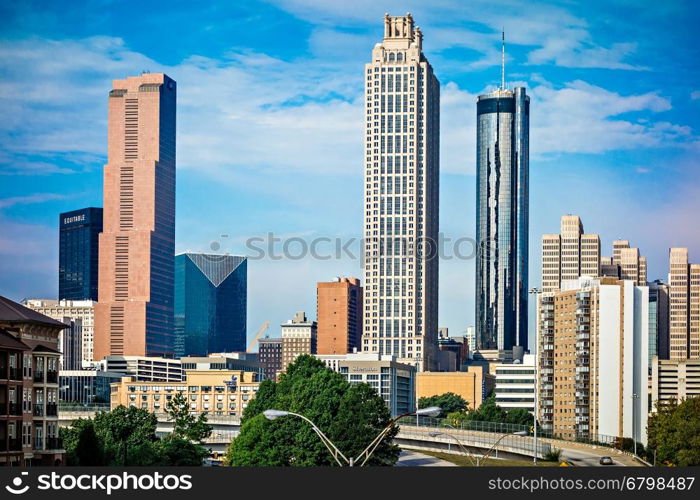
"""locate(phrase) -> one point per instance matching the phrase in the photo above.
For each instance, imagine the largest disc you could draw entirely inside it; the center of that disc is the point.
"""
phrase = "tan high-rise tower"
(684, 306)
(568, 255)
(401, 164)
(134, 314)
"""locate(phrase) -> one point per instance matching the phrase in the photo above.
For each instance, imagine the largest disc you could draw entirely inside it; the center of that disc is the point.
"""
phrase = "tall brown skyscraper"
(134, 315)
(339, 311)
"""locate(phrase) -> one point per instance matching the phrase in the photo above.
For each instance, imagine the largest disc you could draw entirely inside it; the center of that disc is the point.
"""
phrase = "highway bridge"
(416, 437)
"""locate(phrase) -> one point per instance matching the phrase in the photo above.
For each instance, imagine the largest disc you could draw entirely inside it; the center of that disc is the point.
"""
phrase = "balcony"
(15, 409)
(14, 444)
(39, 410)
(15, 374)
(52, 377)
(51, 410)
(3, 409)
(54, 443)
(39, 377)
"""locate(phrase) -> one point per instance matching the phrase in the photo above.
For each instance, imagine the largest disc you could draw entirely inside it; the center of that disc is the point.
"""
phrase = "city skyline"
(638, 162)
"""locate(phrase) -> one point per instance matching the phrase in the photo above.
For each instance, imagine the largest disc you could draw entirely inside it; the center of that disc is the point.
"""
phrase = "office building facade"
(80, 316)
(569, 254)
(473, 384)
(144, 368)
(674, 380)
(592, 367)
(210, 303)
(78, 252)
(298, 337)
(395, 382)
(658, 320)
(270, 354)
(516, 384)
(216, 392)
(502, 208)
(684, 306)
(401, 223)
(339, 316)
(134, 314)
(86, 387)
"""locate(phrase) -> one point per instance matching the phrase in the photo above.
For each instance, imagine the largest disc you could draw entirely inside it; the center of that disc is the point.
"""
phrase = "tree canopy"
(674, 432)
(127, 436)
(350, 415)
(448, 402)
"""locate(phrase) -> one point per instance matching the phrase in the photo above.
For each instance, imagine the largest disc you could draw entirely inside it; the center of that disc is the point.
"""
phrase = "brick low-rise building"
(29, 361)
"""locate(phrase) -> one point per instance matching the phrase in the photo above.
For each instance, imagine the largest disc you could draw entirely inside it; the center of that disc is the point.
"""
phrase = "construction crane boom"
(262, 330)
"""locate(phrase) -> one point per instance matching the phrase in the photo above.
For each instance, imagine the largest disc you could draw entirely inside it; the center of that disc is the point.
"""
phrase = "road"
(410, 458)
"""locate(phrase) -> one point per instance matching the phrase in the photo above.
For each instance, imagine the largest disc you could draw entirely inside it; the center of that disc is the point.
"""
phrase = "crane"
(262, 330)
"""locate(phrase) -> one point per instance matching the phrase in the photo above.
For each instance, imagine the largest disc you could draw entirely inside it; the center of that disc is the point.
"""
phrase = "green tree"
(519, 416)
(128, 435)
(489, 411)
(186, 425)
(673, 431)
(71, 438)
(456, 418)
(174, 450)
(88, 449)
(448, 402)
(350, 415)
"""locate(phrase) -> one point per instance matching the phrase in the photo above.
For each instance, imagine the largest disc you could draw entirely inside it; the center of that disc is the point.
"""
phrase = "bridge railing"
(484, 440)
(506, 428)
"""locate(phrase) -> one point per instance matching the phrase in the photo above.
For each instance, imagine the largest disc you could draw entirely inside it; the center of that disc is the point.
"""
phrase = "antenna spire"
(503, 59)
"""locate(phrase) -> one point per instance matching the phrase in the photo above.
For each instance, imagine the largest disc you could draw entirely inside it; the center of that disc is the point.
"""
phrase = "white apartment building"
(402, 120)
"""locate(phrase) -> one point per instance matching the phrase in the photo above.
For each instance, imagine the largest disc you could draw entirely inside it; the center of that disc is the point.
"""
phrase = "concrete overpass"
(225, 428)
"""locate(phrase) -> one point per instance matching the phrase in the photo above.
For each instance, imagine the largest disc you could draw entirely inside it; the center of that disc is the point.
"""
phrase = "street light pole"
(484, 457)
(462, 447)
(635, 396)
(367, 452)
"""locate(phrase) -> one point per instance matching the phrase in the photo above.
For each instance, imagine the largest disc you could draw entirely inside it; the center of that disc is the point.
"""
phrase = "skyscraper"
(339, 313)
(78, 264)
(134, 315)
(570, 254)
(502, 159)
(658, 320)
(210, 303)
(632, 266)
(684, 306)
(402, 120)
(298, 337)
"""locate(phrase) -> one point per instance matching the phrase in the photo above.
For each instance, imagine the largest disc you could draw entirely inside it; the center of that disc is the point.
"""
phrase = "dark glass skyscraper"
(78, 254)
(502, 219)
(210, 303)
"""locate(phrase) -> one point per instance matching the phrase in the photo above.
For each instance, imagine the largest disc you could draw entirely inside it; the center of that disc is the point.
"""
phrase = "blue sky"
(270, 125)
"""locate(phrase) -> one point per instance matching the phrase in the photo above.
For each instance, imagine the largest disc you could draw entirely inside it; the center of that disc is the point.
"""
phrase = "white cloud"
(250, 114)
(30, 199)
(553, 33)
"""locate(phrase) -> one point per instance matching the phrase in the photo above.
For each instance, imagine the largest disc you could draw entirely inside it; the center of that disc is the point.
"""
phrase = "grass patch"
(464, 461)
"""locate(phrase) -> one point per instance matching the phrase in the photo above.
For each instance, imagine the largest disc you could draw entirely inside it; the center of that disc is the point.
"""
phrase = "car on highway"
(606, 461)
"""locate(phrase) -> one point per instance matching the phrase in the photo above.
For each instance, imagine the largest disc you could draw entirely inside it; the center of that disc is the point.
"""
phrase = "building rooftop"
(8, 341)
(13, 312)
